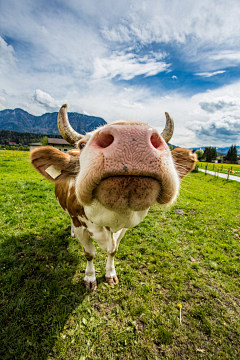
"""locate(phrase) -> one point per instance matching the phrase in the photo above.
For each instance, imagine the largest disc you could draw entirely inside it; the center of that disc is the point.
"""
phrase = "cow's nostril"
(155, 140)
(104, 140)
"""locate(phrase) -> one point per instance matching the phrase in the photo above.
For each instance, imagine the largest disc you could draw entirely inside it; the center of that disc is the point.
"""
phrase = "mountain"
(21, 121)
(221, 151)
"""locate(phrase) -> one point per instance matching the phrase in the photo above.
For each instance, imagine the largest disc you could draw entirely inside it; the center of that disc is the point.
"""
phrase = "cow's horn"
(168, 130)
(65, 128)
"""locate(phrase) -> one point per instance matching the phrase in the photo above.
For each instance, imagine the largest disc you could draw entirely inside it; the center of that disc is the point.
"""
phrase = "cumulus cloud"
(6, 54)
(219, 104)
(216, 118)
(127, 66)
(78, 52)
(210, 74)
(46, 100)
(225, 128)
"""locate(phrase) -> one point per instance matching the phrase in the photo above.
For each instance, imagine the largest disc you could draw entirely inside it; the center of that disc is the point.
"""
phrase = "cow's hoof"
(90, 284)
(112, 280)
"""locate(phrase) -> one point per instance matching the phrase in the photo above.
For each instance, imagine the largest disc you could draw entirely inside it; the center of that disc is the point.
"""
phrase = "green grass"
(189, 258)
(222, 168)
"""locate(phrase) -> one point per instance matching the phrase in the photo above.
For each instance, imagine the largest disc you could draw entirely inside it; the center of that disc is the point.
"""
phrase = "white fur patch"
(102, 216)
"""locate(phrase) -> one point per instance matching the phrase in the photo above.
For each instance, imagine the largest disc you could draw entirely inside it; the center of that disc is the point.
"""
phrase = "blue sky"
(127, 59)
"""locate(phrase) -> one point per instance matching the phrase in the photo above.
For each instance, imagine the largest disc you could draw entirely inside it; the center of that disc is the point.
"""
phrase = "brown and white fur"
(108, 185)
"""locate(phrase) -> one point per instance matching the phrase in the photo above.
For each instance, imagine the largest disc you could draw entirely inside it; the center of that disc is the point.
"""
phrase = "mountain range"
(21, 121)
(221, 151)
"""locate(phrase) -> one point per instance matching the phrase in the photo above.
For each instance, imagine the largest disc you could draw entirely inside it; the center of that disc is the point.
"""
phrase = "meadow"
(222, 168)
(181, 258)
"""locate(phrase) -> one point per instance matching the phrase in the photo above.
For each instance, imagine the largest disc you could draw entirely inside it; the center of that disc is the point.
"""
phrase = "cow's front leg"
(82, 234)
(111, 276)
(90, 280)
(72, 229)
(112, 248)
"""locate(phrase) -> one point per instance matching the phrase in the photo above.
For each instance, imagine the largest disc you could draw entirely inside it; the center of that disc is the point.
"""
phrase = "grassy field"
(222, 168)
(187, 255)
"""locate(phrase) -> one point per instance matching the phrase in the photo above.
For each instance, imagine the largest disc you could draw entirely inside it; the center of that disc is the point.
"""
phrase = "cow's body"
(108, 185)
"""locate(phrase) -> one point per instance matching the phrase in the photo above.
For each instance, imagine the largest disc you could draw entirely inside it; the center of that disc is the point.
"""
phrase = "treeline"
(232, 154)
(7, 136)
(210, 154)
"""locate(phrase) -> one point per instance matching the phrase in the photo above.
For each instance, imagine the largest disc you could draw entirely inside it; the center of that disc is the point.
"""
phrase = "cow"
(108, 183)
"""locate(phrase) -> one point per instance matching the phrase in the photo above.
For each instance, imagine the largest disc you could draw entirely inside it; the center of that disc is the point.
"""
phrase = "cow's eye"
(81, 146)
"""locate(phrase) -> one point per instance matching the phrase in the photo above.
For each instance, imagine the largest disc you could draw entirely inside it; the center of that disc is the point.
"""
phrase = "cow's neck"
(115, 220)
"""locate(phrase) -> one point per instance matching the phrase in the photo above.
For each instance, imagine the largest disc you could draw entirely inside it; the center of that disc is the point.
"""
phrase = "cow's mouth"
(135, 192)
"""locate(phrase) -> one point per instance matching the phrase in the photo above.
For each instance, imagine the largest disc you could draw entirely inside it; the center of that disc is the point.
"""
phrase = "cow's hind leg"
(90, 281)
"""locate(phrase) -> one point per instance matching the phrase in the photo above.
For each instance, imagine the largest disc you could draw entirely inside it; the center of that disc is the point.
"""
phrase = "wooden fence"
(216, 170)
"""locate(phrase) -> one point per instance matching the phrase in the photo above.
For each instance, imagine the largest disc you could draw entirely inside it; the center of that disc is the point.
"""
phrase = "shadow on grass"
(38, 293)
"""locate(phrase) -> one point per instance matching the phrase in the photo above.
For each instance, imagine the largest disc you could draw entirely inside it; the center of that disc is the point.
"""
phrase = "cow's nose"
(155, 140)
(105, 138)
(128, 134)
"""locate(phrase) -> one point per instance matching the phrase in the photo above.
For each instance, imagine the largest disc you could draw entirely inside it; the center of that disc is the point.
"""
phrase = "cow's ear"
(184, 161)
(54, 164)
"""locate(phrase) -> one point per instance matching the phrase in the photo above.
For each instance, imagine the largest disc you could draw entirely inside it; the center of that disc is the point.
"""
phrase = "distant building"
(12, 143)
(230, 162)
(59, 144)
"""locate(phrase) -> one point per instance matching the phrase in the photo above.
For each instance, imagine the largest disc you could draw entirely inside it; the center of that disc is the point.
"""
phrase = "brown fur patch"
(68, 200)
(74, 152)
(184, 160)
(76, 222)
(73, 206)
(88, 256)
(42, 158)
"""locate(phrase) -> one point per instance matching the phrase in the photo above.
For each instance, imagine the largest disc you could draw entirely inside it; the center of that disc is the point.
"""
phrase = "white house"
(60, 144)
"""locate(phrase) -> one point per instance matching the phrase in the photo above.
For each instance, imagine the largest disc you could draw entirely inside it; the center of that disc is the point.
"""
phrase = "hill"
(21, 121)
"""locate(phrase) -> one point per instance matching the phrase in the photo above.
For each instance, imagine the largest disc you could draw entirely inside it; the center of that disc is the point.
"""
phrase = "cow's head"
(120, 169)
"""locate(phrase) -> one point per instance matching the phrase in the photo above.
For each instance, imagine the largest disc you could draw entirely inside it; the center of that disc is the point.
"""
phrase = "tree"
(210, 153)
(170, 147)
(199, 154)
(232, 154)
(44, 141)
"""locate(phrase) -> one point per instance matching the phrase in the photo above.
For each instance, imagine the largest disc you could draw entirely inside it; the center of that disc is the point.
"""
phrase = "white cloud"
(127, 66)
(216, 117)
(227, 55)
(46, 100)
(3, 103)
(43, 30)
(2, 100)
(6, 54)
(166, 21)
(210, 74)
(76, 50)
